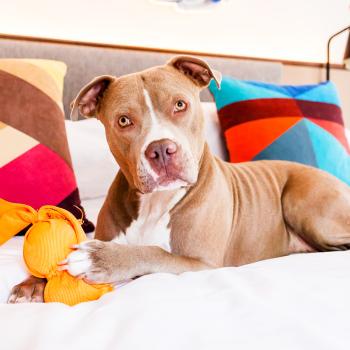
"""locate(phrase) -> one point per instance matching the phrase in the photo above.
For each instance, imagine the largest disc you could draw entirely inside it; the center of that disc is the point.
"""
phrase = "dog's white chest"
(152, 225)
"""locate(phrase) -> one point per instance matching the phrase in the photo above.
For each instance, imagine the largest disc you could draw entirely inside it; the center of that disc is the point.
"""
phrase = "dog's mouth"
(162, 184)
(148, 184)
(171, 182)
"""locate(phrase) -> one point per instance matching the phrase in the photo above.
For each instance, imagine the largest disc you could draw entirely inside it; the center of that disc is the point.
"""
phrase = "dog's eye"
(180, 106)
(124, 121)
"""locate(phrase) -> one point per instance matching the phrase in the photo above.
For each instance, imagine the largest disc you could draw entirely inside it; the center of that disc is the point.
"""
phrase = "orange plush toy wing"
(14, 218)
(48, 242)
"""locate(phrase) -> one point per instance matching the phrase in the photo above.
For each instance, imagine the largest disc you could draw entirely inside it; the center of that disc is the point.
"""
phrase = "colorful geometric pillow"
(296, 123)
(35, 164)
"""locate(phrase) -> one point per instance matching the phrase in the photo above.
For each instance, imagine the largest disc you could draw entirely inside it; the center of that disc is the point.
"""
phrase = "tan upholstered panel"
(84, 63)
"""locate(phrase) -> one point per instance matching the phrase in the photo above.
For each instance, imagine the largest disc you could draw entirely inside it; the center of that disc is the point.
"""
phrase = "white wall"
(282, 29)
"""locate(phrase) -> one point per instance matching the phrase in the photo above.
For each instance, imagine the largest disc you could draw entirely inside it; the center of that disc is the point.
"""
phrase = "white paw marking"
(23, 300)
(12, 298)
(78, 262)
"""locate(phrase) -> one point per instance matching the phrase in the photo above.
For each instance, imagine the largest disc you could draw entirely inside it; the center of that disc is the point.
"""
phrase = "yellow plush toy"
(47, 242)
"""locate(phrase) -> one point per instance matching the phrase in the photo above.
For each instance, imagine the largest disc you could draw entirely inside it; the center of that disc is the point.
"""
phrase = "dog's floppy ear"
(87, 101)
(196, 69)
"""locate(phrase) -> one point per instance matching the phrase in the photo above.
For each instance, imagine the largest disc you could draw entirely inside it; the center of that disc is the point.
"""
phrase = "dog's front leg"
(109, 262)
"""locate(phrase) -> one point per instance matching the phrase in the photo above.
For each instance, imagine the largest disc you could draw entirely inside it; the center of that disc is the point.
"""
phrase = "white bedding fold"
(296, 302)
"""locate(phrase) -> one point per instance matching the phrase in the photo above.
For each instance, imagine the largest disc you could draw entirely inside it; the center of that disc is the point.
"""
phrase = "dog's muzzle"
(167, 167)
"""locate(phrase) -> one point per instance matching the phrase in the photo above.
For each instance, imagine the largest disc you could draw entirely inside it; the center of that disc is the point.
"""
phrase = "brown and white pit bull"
(174, 207)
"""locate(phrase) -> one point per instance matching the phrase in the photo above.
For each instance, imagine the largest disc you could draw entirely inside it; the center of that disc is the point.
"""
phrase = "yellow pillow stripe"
(45, 75)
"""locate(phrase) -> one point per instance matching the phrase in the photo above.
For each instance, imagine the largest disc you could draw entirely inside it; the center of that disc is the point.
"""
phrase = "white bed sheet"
(296, 302)
(92, 207)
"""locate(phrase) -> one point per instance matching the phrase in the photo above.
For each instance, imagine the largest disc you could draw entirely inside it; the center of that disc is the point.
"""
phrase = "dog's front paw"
(98, 262)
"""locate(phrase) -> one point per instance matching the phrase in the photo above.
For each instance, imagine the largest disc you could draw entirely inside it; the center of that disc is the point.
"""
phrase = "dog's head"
(153, 121)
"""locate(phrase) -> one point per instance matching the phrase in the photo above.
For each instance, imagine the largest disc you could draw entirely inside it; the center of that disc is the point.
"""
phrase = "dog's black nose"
(161, 153)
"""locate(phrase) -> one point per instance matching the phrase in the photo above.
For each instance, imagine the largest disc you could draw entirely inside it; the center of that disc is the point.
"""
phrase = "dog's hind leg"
(316, 207)
(31, 290)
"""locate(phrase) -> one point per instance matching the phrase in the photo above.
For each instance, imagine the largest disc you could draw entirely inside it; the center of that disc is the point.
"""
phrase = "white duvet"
(295, 302)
